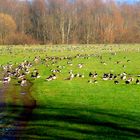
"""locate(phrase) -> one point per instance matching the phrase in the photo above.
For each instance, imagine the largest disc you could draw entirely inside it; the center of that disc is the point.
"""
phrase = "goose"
(90, 74)
(69, 63)
(23, 82)
(6, 79)
(8, 72)
(35, 74)
(116, 82)
(27, 71)
(123, 75)
(115, 77)
(77, 75)
(124, 66)
(105, 76)
(111, 76)
(56, 71)
(21, 76)
(129, 81)
(92, 81)
(137, 81)
(51, 77)
(36, 59)
(81, 75)
(80, 66)
(94, 75)
(71, 72)
(71, 76)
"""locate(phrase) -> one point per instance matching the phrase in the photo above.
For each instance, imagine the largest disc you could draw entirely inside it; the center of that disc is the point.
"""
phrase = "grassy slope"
(78, 110)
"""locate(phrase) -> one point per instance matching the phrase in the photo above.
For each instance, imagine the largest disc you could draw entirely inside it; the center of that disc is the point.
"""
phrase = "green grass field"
(76, 109)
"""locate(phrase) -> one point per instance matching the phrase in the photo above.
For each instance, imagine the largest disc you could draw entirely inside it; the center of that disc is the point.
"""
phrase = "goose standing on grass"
(128, 81)
(138, 81)
(123, 75)
(90, 74)
(71, 76)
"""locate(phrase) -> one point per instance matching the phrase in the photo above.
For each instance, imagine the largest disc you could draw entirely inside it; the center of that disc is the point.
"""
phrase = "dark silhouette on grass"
(95, 122)
(15, 117)
(101, 119)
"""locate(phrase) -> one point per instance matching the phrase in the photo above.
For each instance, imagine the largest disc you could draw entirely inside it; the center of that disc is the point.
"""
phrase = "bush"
(19, 38)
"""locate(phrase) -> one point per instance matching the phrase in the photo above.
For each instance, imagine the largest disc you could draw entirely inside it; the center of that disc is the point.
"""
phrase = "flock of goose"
(19, 72)
(22, 71)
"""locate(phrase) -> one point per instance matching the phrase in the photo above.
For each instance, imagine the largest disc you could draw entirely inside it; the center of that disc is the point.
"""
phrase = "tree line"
(68, 22)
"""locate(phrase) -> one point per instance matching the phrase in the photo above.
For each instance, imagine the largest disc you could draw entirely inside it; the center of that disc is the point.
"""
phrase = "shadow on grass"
(79, 123)
(14, 117)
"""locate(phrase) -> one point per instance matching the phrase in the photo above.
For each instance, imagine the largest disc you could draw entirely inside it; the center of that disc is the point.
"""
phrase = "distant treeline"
(68, 21)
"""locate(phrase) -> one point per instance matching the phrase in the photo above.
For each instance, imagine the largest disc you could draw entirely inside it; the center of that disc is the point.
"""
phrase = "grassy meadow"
(77, 109)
